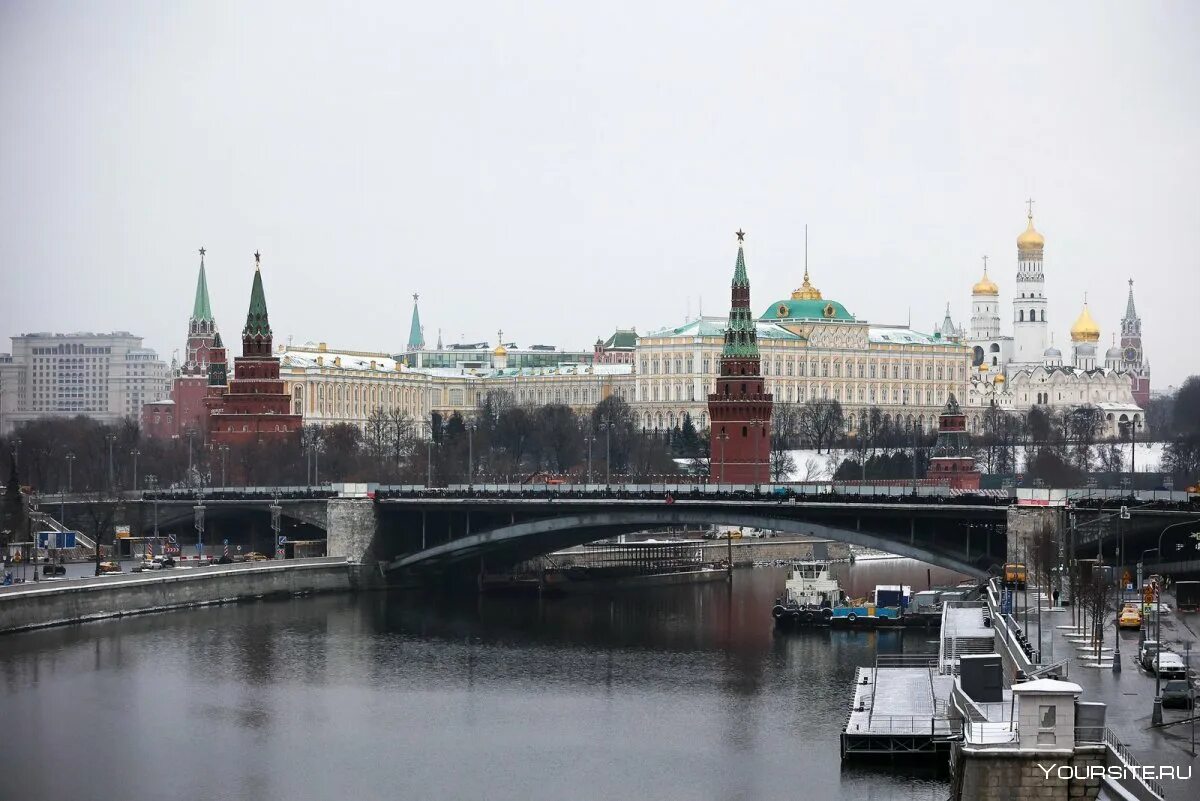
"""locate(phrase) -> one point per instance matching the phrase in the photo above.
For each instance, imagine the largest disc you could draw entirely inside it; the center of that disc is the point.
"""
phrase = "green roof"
(256, 319)
(739, 270)
(715, 327)
(806, 310)
(202, 309)
(621, 338)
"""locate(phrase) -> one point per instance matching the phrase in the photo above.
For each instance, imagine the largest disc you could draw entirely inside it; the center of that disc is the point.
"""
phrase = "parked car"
(1146, 654)
(150, 564)
(1130, 618)
(1177, 693)
(52, 569)
(1169, 665)
(255, 556)
(110, 567)
(167, 561)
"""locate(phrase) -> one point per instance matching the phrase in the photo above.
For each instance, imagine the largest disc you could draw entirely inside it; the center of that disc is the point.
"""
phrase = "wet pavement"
(1130, 693)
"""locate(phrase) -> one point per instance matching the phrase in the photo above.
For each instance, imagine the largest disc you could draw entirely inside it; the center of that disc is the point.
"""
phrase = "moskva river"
(672, 693)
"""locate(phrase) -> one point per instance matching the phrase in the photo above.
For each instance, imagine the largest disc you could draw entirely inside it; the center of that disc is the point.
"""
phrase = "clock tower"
(1133, 359)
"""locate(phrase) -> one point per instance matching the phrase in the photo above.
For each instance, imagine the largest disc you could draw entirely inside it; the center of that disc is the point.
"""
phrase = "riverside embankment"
(56, 602)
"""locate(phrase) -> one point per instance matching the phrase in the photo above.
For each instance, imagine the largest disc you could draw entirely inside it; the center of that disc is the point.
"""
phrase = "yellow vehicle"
(255, 556)
(110, 567)
(1130, 618)
(733, 535)
(1014, 575)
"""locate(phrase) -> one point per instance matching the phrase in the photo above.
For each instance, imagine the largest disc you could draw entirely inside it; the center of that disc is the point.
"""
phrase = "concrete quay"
(62, 601)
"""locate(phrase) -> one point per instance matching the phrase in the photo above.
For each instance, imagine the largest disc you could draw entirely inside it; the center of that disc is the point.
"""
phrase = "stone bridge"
(422, 534)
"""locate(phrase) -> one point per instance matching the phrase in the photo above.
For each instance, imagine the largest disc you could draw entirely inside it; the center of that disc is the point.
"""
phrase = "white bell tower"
(1030, 325)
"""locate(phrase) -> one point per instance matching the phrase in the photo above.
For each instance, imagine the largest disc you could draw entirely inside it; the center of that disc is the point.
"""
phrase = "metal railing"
(1062, 665)
(986, 732)
(1108, 738)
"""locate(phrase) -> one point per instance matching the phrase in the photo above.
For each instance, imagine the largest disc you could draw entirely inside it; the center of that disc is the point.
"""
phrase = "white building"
(1018, 372)
(103, 376)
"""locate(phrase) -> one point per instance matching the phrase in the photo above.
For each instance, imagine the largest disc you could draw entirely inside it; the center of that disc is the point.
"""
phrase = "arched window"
(1032, 315)
(1021, 316)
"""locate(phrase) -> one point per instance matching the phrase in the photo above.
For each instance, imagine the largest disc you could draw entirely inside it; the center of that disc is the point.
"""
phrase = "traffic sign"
(199, 549)
(282, 540)
(239, 549)
(172, 539)
(226, 542)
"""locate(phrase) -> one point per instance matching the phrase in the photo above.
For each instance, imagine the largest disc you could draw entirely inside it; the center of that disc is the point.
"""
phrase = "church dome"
(1030, 239)
(500, 351)
(1085, 328)
(1114, 354)
(985, 286)
(1052, 353)
(999, 379)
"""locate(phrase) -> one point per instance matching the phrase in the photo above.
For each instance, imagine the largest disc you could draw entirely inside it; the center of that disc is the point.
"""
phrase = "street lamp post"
(470, 454)
(1156, 718)
(588, 438)
(1141, 562)
(1134, 425)
(429, 456)
(722, 437)
(224, 449)
(198, 511)
(62, 497)
(607, 428)
(111, 438)
(276, 514)
(152, 484)
(135, 453)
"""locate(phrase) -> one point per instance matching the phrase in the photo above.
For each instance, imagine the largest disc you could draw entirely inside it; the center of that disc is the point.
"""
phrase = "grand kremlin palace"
(812, 349)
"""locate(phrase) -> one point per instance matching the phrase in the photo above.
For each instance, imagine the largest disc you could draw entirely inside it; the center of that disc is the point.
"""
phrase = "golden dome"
(1030, 239)
(807, 291)
(500, 351)
(985, 286)
(1085, 328)
(999, 379)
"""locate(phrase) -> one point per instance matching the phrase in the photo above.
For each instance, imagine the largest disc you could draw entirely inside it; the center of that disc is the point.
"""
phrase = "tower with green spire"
(201, 327)
(256, 336)
(740, 409)
(256, 404)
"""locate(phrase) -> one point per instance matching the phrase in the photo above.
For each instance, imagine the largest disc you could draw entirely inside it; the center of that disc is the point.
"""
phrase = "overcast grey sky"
(557, 170)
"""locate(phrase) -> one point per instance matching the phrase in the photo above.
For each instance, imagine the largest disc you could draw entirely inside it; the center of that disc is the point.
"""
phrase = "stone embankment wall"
(749, 551)
(54, 603)
(1013, 777)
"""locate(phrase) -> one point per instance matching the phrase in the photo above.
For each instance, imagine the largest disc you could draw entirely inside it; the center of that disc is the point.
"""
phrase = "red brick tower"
(952, 461)
(255, 406)
(740, 409)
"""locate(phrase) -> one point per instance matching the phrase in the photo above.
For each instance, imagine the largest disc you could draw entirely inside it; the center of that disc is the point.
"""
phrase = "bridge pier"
(352, 531)
(1025, 523)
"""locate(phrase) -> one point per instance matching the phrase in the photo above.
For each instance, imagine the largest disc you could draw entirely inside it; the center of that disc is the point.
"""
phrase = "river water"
(669, 693)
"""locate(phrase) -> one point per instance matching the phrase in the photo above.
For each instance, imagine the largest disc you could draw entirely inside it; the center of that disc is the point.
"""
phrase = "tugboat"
(809, 596)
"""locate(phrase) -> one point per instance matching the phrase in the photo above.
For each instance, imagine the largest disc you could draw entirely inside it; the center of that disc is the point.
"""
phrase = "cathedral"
(1025, 369)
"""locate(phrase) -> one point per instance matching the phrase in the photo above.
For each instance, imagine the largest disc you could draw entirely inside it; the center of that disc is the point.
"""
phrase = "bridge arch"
(521, 540)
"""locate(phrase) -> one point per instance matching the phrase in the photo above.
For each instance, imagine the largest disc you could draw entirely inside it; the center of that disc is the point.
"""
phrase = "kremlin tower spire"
(256, 404)
(416, 334)
(201, 327)
(1133, 358)
(740, 409)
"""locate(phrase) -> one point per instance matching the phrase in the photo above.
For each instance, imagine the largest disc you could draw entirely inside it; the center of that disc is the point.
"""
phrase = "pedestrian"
(1055, 595)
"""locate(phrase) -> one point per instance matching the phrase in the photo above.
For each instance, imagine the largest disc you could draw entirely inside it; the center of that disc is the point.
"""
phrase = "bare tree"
(821, 421)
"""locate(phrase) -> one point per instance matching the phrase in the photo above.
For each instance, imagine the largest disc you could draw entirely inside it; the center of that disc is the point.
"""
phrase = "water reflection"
(682, 692)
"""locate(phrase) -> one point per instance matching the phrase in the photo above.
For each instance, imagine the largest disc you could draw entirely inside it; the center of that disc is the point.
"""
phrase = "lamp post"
(276, 513)
(198, 511)
(1133, 426)
(224, 449)
(721, 437)
(1156, 718)
(429, 456)
(588, 438)
(111, 438)
(135, 453)
(62, 510)
(470, 455)
(152, 484)
(606, 427)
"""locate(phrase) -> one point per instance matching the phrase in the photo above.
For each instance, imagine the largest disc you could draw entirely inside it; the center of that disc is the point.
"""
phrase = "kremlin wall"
(800, 348)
